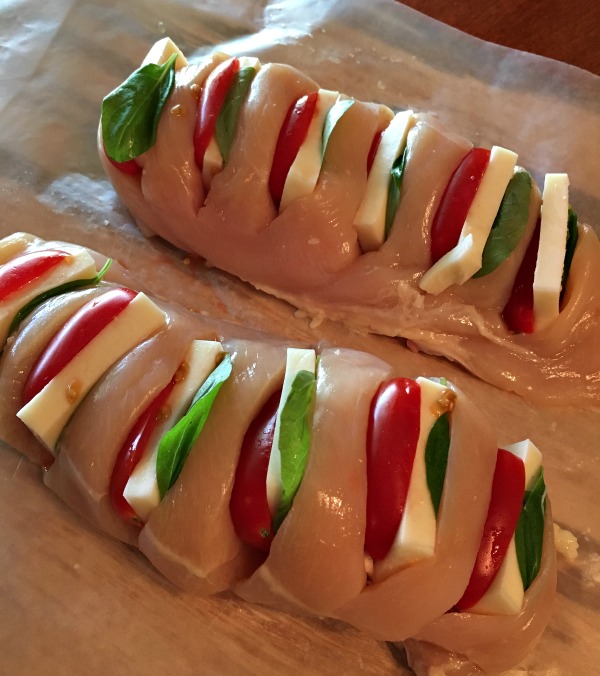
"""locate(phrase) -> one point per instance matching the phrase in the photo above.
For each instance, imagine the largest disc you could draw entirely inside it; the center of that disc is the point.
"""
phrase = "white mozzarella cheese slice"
(465, 259)
(531, 457)
(415, 539)
(162, 51)
(547, 279)
(297, 360)
(213, 159)
(304, 173)
(370, 217)
(13, 245)
(78, 265)
(141, 490)
(506, 593)
(49, 411)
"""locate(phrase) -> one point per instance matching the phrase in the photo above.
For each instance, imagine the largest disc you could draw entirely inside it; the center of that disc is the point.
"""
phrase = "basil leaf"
(227, 120)
(393, 200)
(436, 458)
(529, 534)
(333, 117)
(177, 443)
(572, 237)
(73, 285)
(130, 113)
(509, 224)
(294, 440)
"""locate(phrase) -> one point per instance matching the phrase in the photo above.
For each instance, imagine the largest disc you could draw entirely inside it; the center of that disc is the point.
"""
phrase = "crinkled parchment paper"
(65, 590)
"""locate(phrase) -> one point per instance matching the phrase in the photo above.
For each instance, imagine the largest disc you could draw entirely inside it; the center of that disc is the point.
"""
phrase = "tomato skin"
(20, 271)
(129, 167)
(392, 436)
(518, 311)
(508, 489)
(209, 106)
(73, 336)
(373, 150)
(291, 136)
(133, 451)
(249, 507)
(456, 202)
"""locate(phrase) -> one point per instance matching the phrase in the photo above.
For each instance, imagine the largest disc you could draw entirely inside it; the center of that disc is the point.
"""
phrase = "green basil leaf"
(393, 199)
(130, 113)
(294, 440)
(227, 120)
(509, 224)
(177, 443)
(333, 117)
(572, 236)
(436, 458)
(529, 534)
(73, 285)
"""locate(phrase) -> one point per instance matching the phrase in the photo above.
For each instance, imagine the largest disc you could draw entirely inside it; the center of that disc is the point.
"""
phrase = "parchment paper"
(57, 61)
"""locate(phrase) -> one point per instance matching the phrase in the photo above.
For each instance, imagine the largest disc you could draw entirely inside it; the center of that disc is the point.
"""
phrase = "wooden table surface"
(567, 31)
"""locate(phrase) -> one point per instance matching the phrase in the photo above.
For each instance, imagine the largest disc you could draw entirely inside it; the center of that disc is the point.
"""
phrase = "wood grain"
(567, 31)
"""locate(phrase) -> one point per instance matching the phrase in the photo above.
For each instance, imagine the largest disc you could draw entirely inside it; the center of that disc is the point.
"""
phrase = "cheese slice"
(213, 162)
(304, 173)
(547, 279)
(370, 217)
(141, 491)
(505, 594)
(49, 411)
(465, 259)
(415, 539)
(78, 265)
(162, 51)
(13, 245)
(297, 360)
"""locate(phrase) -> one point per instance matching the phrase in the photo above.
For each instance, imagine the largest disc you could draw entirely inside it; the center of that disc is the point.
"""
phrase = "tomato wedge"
(518, 311)
(373, 150)
(129, 167)
(291, 137)
(209, 106)
(249, 508)
(456, 202)
(508, 489)
(392, 436)
(25, 269)
(133, 451)
(74, 335)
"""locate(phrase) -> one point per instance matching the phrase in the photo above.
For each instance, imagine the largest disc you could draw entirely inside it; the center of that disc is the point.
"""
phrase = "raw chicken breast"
(309, 254)
(398, 606)
(190, 536)
(82, 473)
(491, 642)
(317, 561)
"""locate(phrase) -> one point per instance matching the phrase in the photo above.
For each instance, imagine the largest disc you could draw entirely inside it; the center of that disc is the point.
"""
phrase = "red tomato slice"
(129, 167)
(373, 150)
(209, 106)
(133, 451)
(78, 331)
(456, 202)
(249, 507)
(508, 489)
(392, 436)
(291, 137)
(518, 311)
(19, 272)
